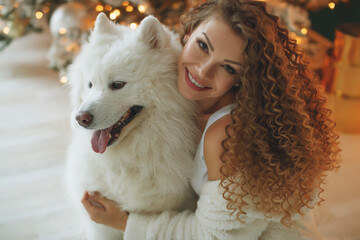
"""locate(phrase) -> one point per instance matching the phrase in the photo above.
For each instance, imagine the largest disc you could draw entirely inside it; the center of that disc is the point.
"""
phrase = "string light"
(68, 48)
(338, 93)
(126, 3)
(331, 5)
(133, 25)
(304, 31)
(6, 30)
(62, 31)
(39, 15)
(99, 8)
(292, 35)
(117, 12)
(46, 9)
(129, 8)
(112, 16)
(141, 8)
(176, 5)
(72, 47)
(63, 80)
(108, 8)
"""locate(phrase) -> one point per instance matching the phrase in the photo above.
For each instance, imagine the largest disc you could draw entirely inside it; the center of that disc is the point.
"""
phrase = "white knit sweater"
(212, 220)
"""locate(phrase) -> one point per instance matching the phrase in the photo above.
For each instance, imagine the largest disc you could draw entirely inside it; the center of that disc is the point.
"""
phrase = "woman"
(267, 138)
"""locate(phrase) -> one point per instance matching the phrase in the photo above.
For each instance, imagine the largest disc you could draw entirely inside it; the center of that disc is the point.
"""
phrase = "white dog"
(134, 135)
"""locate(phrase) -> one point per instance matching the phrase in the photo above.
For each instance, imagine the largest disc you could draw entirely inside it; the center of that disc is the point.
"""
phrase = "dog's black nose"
(84, 119)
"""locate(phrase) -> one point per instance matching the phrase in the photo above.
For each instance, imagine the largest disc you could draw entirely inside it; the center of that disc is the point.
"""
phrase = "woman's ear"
(186, 37)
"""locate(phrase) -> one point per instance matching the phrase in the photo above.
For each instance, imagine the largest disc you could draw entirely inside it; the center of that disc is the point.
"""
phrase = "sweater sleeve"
(211, 220)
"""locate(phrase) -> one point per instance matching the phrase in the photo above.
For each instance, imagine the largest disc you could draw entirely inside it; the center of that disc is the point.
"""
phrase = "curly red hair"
(281, 143)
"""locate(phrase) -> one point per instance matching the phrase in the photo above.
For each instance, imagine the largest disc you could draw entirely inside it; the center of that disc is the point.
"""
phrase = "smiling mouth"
(193, 83)
(103, 138)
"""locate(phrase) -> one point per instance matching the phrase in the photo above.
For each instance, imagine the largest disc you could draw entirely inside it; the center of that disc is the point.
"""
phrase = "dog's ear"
(152, 32)
(103, 24)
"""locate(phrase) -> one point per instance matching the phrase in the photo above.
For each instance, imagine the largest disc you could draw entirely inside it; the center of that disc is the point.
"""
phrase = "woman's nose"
(206, 69)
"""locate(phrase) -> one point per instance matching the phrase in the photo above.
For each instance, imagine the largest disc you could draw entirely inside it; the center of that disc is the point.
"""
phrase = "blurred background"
(39, 39)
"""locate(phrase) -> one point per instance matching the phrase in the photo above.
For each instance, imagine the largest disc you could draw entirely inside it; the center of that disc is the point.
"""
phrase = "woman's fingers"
(104, 202)
(95, 200)
(94, 209)
(90, 203)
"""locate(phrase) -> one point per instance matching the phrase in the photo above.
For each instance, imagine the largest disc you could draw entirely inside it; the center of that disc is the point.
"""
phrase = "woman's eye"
(117, 85)
(229, 69)
(90, 84)
(202, 45)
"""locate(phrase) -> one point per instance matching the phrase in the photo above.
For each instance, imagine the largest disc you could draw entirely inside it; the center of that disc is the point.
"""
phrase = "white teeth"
(195, 82)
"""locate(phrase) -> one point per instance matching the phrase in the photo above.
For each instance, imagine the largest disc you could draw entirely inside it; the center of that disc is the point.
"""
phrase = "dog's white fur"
(148, 168)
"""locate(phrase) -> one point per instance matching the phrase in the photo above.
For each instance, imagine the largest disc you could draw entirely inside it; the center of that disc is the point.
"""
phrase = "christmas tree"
(71, 21)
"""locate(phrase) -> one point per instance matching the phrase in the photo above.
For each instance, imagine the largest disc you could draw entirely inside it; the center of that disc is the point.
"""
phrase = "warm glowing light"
(1, 7)
(298, 40)
(133, 25)
(292, 35)
(176, 5)
(129, 8)
(63, 80)
(125, 3)
(141, 8)
(16, 5)
(62, 31)
(39, 15)
(304, 31)
(46, 9)
(331, 5)
(72, 47)
(338, 93)
(112, 16)
(6, 30)
(99, 8)
(68, 48)
(108, 8)
(117, 12)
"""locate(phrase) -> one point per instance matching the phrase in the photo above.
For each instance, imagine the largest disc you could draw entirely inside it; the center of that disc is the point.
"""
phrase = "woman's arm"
(211, 220)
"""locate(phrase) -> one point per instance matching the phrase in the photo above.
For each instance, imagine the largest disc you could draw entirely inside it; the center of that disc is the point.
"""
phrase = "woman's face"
(210, 60)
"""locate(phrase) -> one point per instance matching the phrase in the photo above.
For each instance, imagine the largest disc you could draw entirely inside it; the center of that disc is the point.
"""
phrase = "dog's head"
(116, 78)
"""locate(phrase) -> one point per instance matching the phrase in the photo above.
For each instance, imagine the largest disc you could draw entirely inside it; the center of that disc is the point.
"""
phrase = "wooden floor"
(34, 134)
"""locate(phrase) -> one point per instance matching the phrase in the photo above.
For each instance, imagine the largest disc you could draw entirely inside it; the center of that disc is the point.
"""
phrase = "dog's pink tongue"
(100, 140)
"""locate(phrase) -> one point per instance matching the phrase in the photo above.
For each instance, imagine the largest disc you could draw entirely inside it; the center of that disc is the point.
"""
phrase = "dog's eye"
(90, 84)
(117, 85)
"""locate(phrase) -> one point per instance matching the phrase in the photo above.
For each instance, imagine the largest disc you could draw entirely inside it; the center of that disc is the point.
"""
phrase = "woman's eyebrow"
(231, 61)
(208, 41)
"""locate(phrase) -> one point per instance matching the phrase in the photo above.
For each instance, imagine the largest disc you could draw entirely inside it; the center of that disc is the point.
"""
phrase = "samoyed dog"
(134, 135)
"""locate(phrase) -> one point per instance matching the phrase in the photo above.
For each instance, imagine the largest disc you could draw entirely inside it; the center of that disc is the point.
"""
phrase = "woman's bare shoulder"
(213, 148)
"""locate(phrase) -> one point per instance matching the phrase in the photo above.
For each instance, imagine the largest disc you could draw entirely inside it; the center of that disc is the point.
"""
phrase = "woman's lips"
(191, 84)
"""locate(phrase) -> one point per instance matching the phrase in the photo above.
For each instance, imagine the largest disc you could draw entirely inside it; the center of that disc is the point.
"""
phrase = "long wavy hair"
(281, 143)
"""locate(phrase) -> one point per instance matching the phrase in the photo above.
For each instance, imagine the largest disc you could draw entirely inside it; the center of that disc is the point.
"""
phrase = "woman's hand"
(104, 211)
